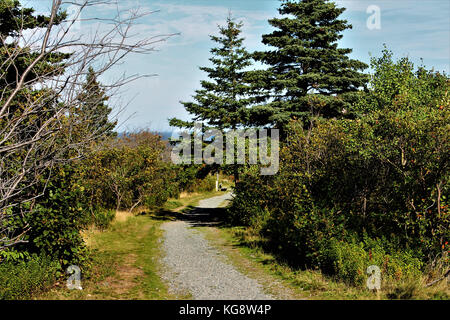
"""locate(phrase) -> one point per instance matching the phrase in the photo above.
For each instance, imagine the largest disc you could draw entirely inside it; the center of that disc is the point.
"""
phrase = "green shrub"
(248, 207)
(349, 260)
(129, 172)
(206, 184)
(103, 218)
(366, 191)
(20, 280)
(194, 178)
(56, 232)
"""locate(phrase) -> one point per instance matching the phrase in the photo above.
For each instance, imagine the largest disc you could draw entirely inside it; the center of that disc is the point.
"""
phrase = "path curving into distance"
(194, 267)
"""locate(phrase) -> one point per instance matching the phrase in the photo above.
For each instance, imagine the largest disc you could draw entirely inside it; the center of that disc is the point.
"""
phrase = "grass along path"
(126, 257)
(285, 282)
(128, 260)
(125, 263)
(279, 280)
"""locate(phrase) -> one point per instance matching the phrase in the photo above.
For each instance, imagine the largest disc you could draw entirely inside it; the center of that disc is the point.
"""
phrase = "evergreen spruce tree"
(307, 73)
(223, 101)
(93, 106)
(13, 20)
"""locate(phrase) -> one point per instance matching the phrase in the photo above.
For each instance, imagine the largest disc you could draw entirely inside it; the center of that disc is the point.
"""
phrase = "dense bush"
(346, 184)
(349, 260)
(102, 218)
(19, 280)
(194, 178)
(119, 173)
(130, 171)
(54, 219)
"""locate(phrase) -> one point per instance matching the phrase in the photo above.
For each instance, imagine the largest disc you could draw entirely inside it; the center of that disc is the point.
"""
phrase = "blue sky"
(417, 29)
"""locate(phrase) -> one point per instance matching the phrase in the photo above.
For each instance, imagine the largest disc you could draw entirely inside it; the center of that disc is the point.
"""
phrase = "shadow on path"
(195, 216)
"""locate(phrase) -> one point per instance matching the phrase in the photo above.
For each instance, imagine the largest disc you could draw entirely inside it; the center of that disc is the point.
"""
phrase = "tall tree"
(93, 108)
(15, 59)
(307, 73)
(223, 100)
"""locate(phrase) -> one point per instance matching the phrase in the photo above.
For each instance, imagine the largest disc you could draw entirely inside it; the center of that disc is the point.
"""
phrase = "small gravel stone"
(193, 266)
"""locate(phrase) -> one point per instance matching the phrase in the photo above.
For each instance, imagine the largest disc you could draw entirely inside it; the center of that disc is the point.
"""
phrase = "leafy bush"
(346, 260)
(21, 279)
(349, 260)
(194, 178)
(206, 184)
(250, 201)
(128, 172)
(103, 218)
(122, 173)
(56, 219)
(132, 171)
(57, 233)
(344, 184)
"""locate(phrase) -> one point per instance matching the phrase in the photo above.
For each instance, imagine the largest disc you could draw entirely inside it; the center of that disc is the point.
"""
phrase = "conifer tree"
(307, 73)
(224, 98)
(93, 106)
(14, 19)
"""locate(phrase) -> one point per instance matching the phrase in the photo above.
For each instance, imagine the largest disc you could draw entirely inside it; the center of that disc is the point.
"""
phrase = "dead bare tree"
(39, 130)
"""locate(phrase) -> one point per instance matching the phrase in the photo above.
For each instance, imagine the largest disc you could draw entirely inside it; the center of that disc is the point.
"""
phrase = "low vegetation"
(372, 190)
(125, 258)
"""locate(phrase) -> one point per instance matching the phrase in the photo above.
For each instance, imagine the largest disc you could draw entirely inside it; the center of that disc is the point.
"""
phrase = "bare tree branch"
(39, 131)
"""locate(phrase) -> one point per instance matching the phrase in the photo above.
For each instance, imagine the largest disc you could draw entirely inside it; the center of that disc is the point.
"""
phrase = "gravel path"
(194, 267)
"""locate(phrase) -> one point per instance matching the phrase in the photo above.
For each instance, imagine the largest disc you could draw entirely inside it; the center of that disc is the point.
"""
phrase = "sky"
(417, 29)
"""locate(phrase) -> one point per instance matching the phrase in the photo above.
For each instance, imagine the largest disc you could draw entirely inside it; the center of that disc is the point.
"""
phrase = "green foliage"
(92, 109)
(128, 172)
(246, 208)
(121, 173)
(10, 255)
(349, 260)
(345, 186)
(54, 220)
(308, 74)
(395, 85)
(206, 184)
(102, 218)
(194, 178)
(223, 100)
(55, 230)
(186, 176)
(21, 279)
(19, 126)
(14, 19)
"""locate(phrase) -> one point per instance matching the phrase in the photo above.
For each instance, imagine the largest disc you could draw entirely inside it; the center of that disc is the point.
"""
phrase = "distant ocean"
(164, 134)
